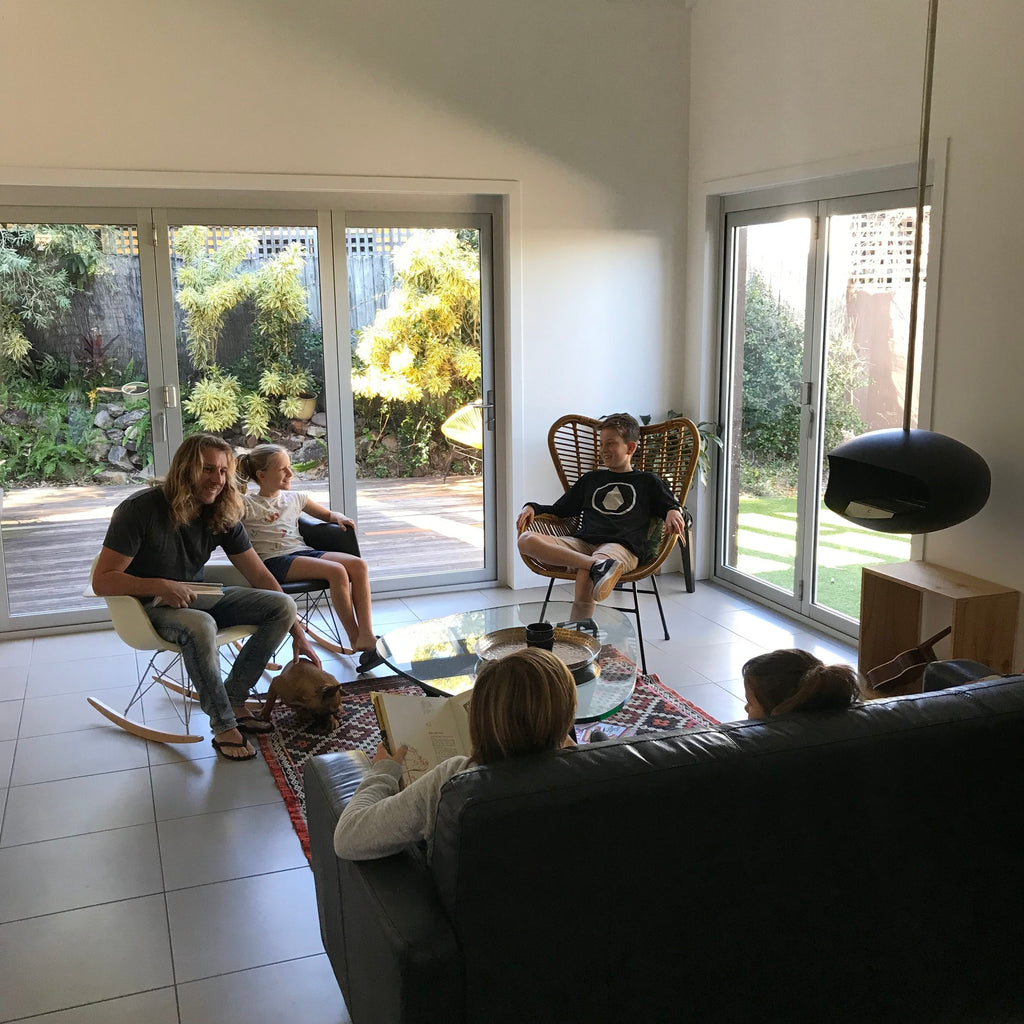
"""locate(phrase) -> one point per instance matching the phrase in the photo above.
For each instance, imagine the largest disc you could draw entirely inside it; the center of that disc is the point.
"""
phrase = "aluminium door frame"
(396, 216)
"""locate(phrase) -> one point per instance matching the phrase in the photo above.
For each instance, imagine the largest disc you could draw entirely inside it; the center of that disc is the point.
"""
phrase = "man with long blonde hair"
(156, 546)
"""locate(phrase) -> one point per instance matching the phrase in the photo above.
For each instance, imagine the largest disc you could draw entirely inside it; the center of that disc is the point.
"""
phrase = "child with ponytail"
(793, 680)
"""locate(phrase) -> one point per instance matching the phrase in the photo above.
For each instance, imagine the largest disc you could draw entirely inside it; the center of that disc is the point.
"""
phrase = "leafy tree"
(41, 267)
(424, 347)
(210, 286)
(773, 347)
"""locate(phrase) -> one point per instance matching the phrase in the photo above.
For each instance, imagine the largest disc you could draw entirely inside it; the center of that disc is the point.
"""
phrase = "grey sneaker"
(598, 736)
(604, 575)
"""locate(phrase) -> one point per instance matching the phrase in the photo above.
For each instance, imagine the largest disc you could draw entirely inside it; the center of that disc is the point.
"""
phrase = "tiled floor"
(143, 882)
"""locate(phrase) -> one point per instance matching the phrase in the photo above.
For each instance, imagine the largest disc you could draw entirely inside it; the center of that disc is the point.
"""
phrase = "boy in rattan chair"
(615, 506)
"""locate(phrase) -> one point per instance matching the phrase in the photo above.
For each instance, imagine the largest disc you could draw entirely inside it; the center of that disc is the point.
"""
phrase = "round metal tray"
(576, 649)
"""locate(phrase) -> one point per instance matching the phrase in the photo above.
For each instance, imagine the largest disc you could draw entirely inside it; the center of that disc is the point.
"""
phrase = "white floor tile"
(82, 675)
(298, 990)
(829, 650)
(685, 627)
(13, 681)
(184, 788)
(715, 700)
(156, 1007)
(238, 843)
(81, 956)
(70, 807)
(77, 646)
(45, 716)
(6, 762)
(237, 925)
(79, 871)
(764, 630)
(15, 652)
(70, 754)
(720, 661)
(10, 718)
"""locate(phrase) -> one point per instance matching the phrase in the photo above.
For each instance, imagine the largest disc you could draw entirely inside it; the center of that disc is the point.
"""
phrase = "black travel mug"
(540, 634)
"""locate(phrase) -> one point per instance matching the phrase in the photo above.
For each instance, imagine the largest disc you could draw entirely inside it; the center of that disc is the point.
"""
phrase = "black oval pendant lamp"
(909, 481)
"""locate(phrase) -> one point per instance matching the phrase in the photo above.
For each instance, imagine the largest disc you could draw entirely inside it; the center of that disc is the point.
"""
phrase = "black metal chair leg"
(547, 598)
(661, 611)
(639, 631)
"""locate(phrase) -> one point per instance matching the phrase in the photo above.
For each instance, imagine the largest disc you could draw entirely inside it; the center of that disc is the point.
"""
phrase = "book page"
(432, 728)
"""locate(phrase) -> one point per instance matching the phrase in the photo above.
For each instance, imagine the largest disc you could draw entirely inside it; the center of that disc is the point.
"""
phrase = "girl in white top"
(271, 519)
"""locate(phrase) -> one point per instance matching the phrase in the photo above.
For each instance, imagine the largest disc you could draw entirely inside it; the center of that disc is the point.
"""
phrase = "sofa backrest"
(868, 862)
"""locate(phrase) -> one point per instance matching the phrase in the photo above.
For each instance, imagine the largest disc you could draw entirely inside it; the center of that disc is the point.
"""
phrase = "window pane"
(870, 258)
(770, 275)
(249, 338)
(74, 413)
(414, 308)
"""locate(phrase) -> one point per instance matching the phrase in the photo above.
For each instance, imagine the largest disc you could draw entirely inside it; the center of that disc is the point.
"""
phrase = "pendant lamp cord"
(922, 174)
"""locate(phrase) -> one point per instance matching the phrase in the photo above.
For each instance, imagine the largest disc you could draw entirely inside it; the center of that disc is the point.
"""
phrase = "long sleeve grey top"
(381, 820)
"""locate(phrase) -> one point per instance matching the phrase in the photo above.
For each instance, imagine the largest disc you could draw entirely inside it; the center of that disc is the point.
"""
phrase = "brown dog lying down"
(308, 690)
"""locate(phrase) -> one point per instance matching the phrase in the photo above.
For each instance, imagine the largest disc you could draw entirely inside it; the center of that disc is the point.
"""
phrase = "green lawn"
(766, 549)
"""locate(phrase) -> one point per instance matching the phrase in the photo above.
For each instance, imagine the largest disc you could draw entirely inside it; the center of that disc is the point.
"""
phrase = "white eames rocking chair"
(132, 625)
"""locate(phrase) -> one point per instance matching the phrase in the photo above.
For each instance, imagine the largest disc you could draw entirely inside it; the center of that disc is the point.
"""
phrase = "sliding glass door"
(421, 350)
(815, 340)
(123, 331)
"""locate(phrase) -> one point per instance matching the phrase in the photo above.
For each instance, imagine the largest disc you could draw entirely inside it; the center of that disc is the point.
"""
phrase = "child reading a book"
(522, 704)
(794, 680)
(271, 519)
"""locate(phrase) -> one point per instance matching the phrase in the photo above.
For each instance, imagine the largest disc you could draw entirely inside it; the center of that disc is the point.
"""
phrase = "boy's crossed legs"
(581, 555)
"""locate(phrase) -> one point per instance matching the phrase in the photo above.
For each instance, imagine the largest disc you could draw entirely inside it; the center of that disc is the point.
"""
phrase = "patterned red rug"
(652, 708)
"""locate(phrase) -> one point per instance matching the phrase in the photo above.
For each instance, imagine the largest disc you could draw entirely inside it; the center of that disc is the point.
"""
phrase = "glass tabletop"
(440, 654)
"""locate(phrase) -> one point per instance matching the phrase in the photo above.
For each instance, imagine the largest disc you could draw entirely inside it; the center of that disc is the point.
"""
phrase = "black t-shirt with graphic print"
(616, 507)
(141, 528)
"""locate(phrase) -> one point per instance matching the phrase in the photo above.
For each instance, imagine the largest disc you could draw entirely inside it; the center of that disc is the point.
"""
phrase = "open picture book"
(433, 728)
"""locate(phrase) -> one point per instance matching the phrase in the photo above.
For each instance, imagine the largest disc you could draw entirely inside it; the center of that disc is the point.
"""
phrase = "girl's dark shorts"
(280, 564)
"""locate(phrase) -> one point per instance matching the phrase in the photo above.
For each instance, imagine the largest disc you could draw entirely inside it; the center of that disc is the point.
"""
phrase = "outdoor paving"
(419, 526)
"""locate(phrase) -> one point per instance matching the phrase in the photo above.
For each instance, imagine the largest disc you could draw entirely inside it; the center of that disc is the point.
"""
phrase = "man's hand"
(674, 523)
(383, 754)
(301, 647)
(175, 594)
(525, 518)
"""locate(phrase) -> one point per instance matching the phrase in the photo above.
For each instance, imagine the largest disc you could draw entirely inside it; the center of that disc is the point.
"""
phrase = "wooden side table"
(984, 614)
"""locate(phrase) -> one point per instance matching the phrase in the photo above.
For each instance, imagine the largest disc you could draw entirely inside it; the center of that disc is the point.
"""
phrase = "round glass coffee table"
(440, 654)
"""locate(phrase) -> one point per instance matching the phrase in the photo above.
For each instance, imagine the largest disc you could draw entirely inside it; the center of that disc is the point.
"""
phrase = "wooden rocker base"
(327, 645)
(272, 666)
(142, 731)
(253, 704)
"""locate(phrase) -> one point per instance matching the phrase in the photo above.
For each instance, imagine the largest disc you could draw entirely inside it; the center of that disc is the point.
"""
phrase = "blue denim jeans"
(195, 633)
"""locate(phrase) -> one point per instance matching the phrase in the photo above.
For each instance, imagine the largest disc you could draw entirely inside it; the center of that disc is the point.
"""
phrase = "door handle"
(488, 410)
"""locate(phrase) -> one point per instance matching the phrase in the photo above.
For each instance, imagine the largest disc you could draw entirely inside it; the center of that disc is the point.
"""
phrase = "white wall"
(583, 102)
(793, 83)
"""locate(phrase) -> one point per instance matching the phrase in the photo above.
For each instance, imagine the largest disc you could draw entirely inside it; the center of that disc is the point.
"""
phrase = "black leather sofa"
(861, 866)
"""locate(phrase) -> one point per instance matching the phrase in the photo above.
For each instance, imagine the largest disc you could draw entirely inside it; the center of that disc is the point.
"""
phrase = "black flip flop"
(221, 745)
(369, 660)
(250, 725)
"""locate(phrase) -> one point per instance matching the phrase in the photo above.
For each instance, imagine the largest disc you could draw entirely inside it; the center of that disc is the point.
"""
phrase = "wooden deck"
(420, 526)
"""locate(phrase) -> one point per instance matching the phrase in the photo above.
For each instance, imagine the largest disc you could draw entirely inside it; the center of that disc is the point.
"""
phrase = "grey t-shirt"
(141, 528)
